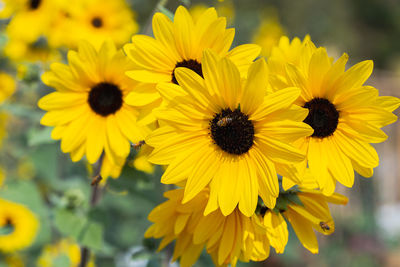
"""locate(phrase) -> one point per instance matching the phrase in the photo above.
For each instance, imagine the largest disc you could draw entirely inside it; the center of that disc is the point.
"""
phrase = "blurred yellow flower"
(226, 238)
(14, 260)
(141, 161)
(18, 226)
(2, 176)
(268, 34)
(224, 8)
(7, 86)
(93, 21)
(3, 127)
(20, 51)
(65, 247)
(30, 18)
(89, 109)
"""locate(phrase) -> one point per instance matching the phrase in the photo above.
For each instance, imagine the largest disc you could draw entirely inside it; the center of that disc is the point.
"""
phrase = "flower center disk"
(34, 4)
(97, 22)
(232, 131)
(192, 64)
(105, 98)
(322, 117)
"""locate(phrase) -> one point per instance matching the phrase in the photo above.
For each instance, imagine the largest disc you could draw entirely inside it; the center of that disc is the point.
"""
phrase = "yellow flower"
(19, 50)
(3, 126)
(64, 247)
(7, 86)
(141, 161)
(89, 110)
(14, 260)
(346, 115)
(228, 133)
(31, 18)
(225, 9)
(18, 226)
(305, 210)
(2, 176)
(268, 35)
(93, 21)
(226, 238)
(181, 44)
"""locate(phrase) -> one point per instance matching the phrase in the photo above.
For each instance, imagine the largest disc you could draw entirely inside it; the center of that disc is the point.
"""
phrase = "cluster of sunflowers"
(38, 27)
(251, 144)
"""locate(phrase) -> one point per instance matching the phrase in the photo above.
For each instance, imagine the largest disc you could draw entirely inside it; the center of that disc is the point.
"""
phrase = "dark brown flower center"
(7, 228)
(34, 4)
(97, 22)
(232, 131)
(322, 117)
(105, 98)
(192, 64)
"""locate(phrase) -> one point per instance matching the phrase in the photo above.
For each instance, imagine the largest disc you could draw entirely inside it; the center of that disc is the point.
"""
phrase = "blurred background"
(36, 173)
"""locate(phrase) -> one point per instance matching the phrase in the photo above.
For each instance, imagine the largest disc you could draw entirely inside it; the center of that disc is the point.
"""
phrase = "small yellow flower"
(268, 35)
(7, 86)
(89, 109)
(93, 21)
(19, 226)
(64, 247)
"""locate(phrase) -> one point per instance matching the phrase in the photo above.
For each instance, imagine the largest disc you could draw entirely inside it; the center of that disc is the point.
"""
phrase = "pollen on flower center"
(34, 4)
(105, 98)
(97, 22)
(192, 64)
(232, 131)
(322, 117)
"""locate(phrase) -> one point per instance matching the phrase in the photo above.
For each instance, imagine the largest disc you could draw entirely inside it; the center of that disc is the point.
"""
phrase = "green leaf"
(294, 198)
(62, 261)
(40, 136)
(68, 223)
(92, 236)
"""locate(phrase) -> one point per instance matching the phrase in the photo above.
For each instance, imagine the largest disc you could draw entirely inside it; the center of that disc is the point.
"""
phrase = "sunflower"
(30, 18)
(64, 247)
(226, 238)
(88, 110)
(268, 33)
(93, 21)
(346, 115)
(18, 226)
(305, 209)
(227, 133)
(21, 51)
(7, 86)
(181, 44)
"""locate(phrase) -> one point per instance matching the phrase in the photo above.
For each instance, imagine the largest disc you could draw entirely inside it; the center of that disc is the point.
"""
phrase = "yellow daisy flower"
(31, 18)
(7, 86)
(225, 9)
(268, 34)
(89, 111)
(93, 21)
(227, 133)
(19, 226)
(64, 247)
(305, 210)
(226, 238)
(20, 51)
(181, 44)
(346, 115)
